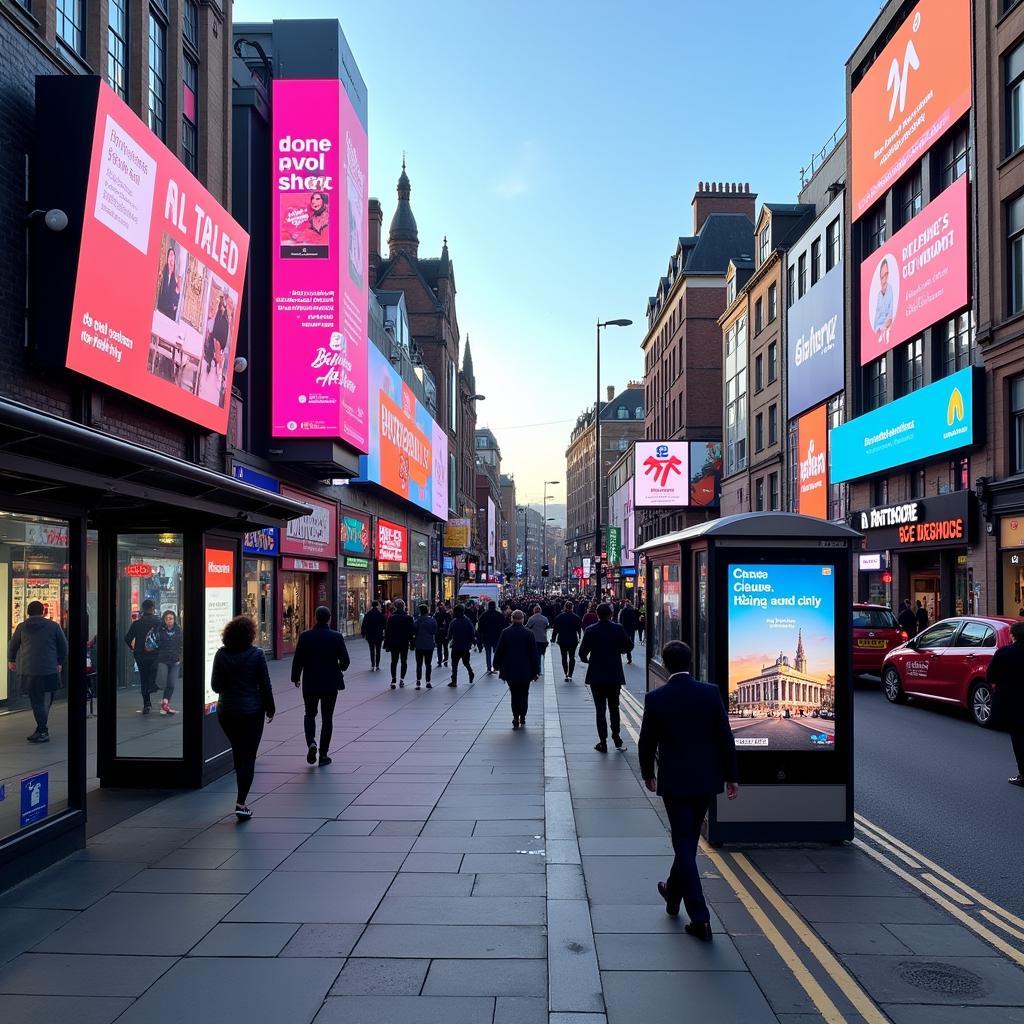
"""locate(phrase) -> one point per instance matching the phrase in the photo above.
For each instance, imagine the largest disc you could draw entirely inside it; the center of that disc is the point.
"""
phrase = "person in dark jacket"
(627, 620)
(489, 630)
(517, 661)
(241, 679)
(1006, 675)
(372, 631)
(641, 623)
(601, 651)
(921, 617)
(168, 659)
(143, 639)
(566, 630)
(907, 619)
(461, 635)
(443, 618)
(398, 639)
(319, 663)
(37, 652)
(473, 614)
(590, 616)
(687, 756)
(424, 641)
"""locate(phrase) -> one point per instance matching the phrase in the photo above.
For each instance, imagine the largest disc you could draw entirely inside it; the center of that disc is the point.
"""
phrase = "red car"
(947, 662)
(875, 633)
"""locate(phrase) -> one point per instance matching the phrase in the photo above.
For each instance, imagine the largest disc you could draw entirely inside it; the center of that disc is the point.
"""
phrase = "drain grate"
(940, 978)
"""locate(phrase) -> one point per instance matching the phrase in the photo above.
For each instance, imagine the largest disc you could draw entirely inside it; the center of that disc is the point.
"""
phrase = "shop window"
(258, 599)
(958, 350)
(1017, 425)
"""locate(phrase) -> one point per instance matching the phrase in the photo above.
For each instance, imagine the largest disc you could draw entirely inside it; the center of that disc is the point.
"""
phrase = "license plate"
(871, 643)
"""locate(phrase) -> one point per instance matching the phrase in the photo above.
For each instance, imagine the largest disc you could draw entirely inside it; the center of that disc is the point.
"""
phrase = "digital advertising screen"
(219, 593)
(160, 273)
(677, 474)
(816, 354)
(812, 469)
(782, 656)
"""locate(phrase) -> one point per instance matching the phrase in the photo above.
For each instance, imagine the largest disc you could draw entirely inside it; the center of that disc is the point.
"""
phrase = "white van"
(478, 592)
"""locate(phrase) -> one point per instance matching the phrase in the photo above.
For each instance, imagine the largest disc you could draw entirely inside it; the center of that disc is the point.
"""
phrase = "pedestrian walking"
(241, 680)
(443, 618)
(424, 641)
(566, 631)
(907, 619)
(538, 625)
(601, 651)
(372, 631)
(488, 631)
(37, 652)
(168, 659)
(143, 640)
(1006, 676)
(921, 617)
(398, 640)
(319, 664)
(627, 620)
(517, 661)
(687, 756)
(590, 615)
(461, 635)
(641, 624)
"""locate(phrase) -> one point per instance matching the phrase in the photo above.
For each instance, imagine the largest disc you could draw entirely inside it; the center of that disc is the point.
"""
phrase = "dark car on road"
(875, 633)
(947, 662)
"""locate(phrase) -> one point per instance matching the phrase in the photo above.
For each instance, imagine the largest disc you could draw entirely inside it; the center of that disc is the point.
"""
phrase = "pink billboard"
(918, 276)
(319, 264)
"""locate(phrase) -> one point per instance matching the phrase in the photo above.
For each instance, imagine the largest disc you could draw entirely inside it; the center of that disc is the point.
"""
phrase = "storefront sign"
(1011, 532)
(915, 89)
(577, 571)
(812, 470)
(816, 351)
(944, 520)
(315, 534)
(392, 542)
(870, 563)
(220, 609)
(357, 563)
(304, 565)
(353, 532)
(456, 534)
(614, 544)
(319, 262)
(46, 535)
(918, 277)
(629, 570)
(266, 541)
(586, 568)
(933, 420)
(139, 570)
(449, 565)
(160, 270)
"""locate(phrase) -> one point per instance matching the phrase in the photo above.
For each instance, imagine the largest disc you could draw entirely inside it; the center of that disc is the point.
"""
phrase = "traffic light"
(887, 578)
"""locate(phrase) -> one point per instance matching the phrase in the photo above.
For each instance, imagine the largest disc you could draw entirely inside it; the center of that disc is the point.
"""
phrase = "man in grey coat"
(37, 652)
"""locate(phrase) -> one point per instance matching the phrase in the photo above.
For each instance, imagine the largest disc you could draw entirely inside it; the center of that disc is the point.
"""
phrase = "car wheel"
(892, 686)
(980, 704)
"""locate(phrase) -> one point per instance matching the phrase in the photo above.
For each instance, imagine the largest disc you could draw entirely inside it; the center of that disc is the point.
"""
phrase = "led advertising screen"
(160, 272)
(622, 516)
(492, 529)
(320, 263)
(935, 419)
(353, 533)
(705, 473)
(782, 656)
(812, 471)
(219, 594)
(917, 277)
(392, 542)
(916, 88)
(402, 438)
(816, 352)
(661, 474)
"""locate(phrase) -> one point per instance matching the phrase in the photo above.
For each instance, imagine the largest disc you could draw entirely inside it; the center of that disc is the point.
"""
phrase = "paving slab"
(62, 1009)
(522, 1010)
(71, 885)
(495, 910)
(315, 896)
(936, 940)
(323, 940)
(245, 940)
(376, 976)
(486, 978)
(90, 974)
(184, 880)
(406, 1010)
(666, 952)
(448, 941)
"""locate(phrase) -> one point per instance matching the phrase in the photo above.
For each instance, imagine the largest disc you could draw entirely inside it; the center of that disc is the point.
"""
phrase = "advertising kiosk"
(764, 601)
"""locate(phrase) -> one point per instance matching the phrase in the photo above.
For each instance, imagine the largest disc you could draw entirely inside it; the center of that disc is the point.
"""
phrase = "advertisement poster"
(492, 528)
(622, 516)
(319, 263)
(918, 276)
(392, 542)
(220, 610)
(354, 533)
(812, 468)
(916, 88)
(267, 540)
(456, 534)
(705, 473)
(816, 349)
(315, 534)
(782, 658)
(662, 474)
(35, 798)
(935, 419)
(160, 273)
(402, 434)
(613, 544)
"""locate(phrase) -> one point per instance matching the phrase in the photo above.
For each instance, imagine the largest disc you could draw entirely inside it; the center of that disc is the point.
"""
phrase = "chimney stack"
(611, 392)
(376, 220)
(722, 197)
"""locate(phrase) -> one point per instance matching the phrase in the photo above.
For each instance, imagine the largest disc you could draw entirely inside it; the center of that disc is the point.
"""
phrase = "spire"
(801, 658)
(445, 269)
(403, 233)
(467, 367)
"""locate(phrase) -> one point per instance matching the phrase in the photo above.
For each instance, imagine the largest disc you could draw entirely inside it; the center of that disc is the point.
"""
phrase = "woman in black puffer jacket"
(242, 680)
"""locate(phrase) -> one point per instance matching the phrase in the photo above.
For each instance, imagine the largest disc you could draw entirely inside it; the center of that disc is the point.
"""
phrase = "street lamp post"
(597, 449)
(544, 557)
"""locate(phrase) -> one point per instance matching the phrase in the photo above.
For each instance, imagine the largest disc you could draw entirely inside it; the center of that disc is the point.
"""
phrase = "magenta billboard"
(319, 264)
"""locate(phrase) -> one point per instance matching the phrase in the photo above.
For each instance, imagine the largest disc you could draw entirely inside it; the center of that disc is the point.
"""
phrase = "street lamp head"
(551, 482)
(617, 323)
(477, 398)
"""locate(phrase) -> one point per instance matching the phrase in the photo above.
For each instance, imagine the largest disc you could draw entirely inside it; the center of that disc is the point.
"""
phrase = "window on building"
(758, 316)
(71, 24)
(838, 494)
(117, 47)
(759, 432)
(773, 302)
(764, 244)
(730, 291)
(790, 285)
(773, 492)
(874, 384)
(954, 157)
(736, 397)
(801, 283)
(453, 484)
(758, 372)
(1017, 425)
(1015, 254)
(190, 23)
(960, 474)
(958, 351)
(1014, 101)
(638, 413)
(773, 424)
(190, 114)
(815, 261)
(876, 228)
(157, 102)
(916, 483)
(453, 397)
(880, 490)
(909, 365)
(911, 195)
(833, 245)
(773, 362)
(759, 495)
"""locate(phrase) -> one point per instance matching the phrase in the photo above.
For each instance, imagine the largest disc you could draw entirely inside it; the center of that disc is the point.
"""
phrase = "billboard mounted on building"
(812, 463)
(816, 352)
(677, 474)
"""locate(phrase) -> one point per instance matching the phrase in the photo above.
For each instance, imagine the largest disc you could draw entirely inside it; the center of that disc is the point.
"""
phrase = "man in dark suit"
(517, 661)
(604, 644)
(373, 630)
(1006, 674)
(398, 640)
(686, 729)
(488, 630)
(565, 631)
(319, 662)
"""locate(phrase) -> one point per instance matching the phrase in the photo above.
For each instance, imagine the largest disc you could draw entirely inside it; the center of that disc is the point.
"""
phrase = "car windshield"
(874, 618)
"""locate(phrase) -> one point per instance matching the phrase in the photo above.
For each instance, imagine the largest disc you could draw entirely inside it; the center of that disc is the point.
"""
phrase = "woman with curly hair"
(242, 681)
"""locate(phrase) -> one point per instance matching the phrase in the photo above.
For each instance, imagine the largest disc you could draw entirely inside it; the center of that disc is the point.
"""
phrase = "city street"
(780, 733)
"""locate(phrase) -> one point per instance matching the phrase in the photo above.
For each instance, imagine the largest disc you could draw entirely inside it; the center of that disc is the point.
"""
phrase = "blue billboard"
(935, 419)
(815, 355)
(266, 541)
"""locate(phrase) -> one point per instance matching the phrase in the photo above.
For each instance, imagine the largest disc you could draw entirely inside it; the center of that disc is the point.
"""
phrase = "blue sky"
(558, 146)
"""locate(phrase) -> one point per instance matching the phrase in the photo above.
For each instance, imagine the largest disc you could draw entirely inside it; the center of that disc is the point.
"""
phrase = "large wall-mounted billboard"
(936, 419)
(918, 276)
(812, 464)
(623, 517)
(816, 352)
(677, 474)
(319, 259)
(916, 88)
(405, 442)
(160, 267)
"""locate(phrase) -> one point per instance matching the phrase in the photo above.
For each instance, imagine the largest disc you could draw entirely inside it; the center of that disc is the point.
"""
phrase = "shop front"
(353, 569)
(392, 555)
(260, 552)
(419, 569)
(448, 578)
(1011, 565)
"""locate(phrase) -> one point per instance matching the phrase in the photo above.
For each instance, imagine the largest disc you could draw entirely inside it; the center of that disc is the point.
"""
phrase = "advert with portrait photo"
(305, 225)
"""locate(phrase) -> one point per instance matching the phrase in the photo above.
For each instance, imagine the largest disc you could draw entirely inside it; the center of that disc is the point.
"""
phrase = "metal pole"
(544, 536)
(597, 469)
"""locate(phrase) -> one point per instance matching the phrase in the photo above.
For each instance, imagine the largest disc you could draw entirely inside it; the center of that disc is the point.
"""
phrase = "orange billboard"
(916, 88)
(812, 455)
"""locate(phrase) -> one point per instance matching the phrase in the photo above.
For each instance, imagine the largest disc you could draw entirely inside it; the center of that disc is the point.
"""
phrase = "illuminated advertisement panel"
(812, 467)
(160, 271)
(219, 591)
(705, 473)
(319, 260)
(661, 474)
(918, 277)
(916, 88)
(782, 656)
(816, 353)
(392, 542)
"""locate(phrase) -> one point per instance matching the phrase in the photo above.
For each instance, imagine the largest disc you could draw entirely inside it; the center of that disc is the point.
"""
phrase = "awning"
(47, 458)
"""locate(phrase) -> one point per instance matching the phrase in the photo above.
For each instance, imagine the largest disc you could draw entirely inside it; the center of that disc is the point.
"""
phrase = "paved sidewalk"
(444, 868)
